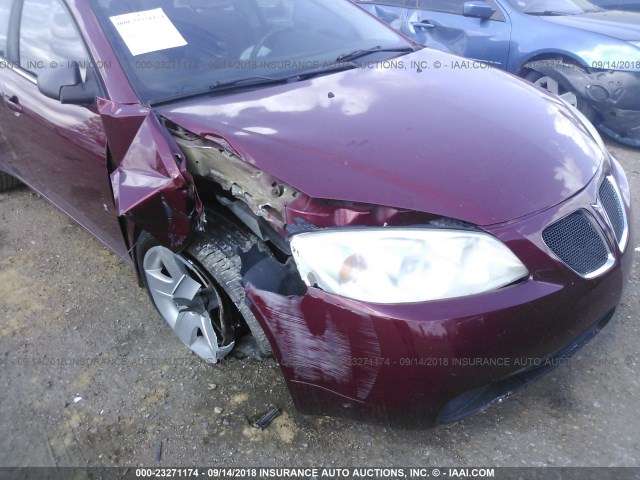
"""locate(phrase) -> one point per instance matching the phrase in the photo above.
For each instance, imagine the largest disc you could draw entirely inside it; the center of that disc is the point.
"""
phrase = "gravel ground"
(90, 375)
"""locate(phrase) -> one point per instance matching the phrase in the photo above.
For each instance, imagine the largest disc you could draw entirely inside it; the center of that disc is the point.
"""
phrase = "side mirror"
(66, 85)
(478, 9)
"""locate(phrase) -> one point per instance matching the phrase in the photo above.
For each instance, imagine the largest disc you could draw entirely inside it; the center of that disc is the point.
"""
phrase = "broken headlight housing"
(404, 265)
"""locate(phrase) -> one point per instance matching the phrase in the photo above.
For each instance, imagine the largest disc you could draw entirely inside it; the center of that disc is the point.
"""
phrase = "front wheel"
(7, 182)
(199, 293)
(563, 91)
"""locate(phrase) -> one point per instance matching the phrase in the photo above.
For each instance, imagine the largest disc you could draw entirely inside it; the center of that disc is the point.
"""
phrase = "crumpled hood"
(617, 24)
(471, 144)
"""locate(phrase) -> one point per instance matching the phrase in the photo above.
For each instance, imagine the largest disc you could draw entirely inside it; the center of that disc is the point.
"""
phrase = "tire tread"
(217, 249)
(7, 182)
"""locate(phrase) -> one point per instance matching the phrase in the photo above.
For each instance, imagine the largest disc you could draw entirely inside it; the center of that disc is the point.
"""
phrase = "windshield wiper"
(224, 86)
(324, 69)
(246, 82)
(343, 62)
(345, 57)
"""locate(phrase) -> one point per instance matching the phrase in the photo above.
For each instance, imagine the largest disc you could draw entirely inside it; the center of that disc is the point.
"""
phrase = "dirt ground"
(90, 375)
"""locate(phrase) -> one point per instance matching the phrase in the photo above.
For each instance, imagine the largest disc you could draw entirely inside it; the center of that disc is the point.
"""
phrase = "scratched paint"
(315, 343)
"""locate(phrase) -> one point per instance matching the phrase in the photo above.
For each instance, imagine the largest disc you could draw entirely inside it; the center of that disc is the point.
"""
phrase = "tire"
(7, 182)
(214, 255)
(564, 91)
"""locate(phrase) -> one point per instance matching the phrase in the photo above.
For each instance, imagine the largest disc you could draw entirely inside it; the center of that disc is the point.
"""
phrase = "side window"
(455, 6)
(5, 13)
(393, 3)
(446, 6)
(48, 37)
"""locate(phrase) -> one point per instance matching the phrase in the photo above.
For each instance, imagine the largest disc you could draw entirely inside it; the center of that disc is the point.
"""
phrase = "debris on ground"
(266, 418)
(158, 450)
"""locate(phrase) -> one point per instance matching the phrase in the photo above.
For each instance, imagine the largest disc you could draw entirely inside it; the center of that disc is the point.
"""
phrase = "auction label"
(147, 31)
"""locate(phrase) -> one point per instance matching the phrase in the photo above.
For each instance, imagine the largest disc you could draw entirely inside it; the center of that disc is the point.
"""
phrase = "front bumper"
(427, 363)
(616, 97)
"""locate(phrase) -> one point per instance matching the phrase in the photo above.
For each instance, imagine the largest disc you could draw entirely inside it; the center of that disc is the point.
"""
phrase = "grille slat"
(611, 204)
(575, 240)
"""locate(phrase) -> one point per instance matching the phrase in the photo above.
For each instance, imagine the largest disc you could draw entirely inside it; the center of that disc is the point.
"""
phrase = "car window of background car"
(396, 3)
(454, 6)
(563, 6)
(48, 37)
(447, 6)
(222, 39)
(5, 13)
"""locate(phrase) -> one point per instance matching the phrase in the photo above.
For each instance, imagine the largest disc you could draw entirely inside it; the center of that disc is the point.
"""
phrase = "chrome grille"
(615, 214)
(576, 241)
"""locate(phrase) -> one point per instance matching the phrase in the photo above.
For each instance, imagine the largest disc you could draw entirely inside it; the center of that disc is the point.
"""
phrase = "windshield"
(178, 48)
(554, 7)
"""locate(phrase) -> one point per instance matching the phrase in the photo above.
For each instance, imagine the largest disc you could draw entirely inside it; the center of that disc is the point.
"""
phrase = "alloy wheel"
(554, 87)
(189, 302)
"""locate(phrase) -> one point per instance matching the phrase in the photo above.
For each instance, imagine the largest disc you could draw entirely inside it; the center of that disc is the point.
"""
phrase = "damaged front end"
(267, 206)
(314, 336)
(257, 199)
(344, 355)
(613, 94)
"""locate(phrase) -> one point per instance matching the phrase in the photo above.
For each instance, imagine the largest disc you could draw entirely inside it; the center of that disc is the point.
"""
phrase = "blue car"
(630, 5)
(588, 56)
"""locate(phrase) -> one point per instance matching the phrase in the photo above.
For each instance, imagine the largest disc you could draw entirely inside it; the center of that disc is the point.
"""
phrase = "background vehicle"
(588, 56)
(628, 5)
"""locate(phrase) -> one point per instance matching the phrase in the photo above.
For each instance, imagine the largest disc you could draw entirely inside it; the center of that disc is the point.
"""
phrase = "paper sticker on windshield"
(147, 31)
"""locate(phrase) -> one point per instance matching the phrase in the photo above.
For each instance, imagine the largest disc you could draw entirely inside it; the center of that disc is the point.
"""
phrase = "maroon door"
(60, 150)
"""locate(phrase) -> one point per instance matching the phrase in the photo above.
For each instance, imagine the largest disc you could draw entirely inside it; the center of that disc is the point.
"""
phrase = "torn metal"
(149, 175)
(216, 160)
(614, 94)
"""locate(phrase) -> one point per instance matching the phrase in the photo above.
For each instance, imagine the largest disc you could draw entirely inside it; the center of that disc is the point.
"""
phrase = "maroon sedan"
(412, 241)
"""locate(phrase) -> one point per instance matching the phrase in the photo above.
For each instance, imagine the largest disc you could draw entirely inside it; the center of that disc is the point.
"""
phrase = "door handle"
(14, 104)
(424, 24)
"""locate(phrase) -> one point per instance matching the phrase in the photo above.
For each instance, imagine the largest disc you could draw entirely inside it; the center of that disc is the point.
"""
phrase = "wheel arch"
(562, 56)
(223, 240)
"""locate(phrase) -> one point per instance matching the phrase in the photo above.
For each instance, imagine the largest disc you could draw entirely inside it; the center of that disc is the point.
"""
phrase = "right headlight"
(404, 265)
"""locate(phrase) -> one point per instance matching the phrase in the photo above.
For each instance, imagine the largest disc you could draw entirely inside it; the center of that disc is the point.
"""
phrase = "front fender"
(151, 186)
(536, 38)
